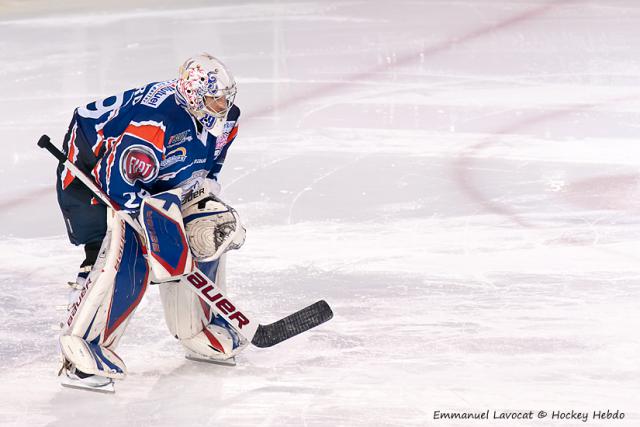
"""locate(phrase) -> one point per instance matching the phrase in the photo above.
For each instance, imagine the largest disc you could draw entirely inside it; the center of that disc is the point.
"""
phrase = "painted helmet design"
(207, 89)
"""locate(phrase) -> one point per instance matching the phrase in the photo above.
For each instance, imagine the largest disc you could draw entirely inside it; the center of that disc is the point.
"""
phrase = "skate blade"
(107, 388)
(197, 358)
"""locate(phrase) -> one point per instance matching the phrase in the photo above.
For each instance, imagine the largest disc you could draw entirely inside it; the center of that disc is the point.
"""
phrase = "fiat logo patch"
(138, 163)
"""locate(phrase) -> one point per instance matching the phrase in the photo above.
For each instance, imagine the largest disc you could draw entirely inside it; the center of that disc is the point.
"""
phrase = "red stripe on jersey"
(110, 161)
(233, 133)
(153, 134)
(96, 173)
(68, 177)
(98, 146)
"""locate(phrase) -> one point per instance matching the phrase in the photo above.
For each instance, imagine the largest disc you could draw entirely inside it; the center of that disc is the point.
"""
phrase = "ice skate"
(72, 378)
(190, 355)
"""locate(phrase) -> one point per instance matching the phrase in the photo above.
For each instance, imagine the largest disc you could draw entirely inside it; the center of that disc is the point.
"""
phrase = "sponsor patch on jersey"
(158, 93)
(180, 138)
(228, 126)
(222, 140)
(138, 163)
(174, 156)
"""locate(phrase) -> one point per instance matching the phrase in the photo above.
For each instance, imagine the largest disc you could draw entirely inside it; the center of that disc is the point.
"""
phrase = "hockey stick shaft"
(259, 335)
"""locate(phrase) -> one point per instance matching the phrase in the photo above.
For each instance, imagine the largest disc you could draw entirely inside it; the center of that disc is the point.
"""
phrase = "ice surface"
(458, 179)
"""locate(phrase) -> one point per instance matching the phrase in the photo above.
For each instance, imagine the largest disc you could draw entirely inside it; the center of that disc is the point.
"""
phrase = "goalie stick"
(259, 335)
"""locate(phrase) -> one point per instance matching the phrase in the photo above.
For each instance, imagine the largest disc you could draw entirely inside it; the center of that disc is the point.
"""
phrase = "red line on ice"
(464, 163)
(414, 56)
(402, 60)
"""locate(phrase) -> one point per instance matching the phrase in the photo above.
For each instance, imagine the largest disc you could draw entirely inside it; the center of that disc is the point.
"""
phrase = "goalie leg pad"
(92, 358)
(184, 312)
(192, 322)
(213, 342)
(110, 294)
(217, 341)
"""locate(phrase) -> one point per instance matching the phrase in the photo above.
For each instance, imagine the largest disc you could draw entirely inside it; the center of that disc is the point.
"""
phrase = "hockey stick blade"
(259, 335)
(292, 325)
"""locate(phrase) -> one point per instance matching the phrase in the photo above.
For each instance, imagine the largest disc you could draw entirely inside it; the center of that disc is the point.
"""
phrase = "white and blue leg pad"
(92, 358)
(189, 319)
(99, 316)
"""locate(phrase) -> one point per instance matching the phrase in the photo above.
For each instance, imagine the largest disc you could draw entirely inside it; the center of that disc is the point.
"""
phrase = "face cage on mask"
(230, 95)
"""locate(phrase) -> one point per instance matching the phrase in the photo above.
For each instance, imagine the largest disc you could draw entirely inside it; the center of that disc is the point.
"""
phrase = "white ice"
(458, 179)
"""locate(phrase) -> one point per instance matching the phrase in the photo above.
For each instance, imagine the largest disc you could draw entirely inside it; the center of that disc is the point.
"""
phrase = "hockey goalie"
(156, 152)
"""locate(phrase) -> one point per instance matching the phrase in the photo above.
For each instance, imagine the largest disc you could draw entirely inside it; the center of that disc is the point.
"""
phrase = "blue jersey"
(143, 142)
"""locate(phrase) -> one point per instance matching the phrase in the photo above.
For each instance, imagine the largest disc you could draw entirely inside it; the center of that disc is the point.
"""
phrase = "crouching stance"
(145, 148)
(126, 265)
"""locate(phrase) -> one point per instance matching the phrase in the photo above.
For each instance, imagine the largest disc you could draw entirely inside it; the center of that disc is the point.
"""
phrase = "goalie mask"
(212, 228)
(206, 88)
